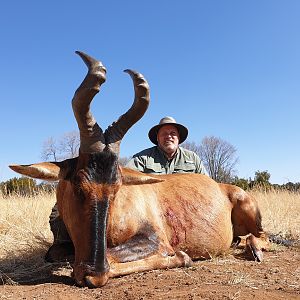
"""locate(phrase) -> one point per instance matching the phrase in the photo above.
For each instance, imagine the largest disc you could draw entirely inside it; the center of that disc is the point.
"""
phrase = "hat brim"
(182, 130)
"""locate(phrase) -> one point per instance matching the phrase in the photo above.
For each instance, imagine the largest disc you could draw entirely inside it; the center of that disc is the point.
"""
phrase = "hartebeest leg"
(157, 261)
(142, 252)
(246, 218)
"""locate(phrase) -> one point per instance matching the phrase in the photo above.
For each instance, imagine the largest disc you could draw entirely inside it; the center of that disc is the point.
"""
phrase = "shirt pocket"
(153, 169)
(187, 167)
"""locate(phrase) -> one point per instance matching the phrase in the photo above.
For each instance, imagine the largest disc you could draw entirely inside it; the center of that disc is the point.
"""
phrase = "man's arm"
(199, 165)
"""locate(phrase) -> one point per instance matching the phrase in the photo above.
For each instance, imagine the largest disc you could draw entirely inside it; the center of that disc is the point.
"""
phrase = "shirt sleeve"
(199, 165)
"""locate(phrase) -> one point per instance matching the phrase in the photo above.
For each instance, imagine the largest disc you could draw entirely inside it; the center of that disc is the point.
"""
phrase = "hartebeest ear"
(131, 177)
(51, 171)
(44, 170)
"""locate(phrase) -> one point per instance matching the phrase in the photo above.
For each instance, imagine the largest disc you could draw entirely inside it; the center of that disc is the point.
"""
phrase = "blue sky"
(230, 69)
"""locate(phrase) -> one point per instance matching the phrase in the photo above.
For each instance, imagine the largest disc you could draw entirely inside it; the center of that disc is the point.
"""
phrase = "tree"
(67, 146)
(293, 187)
(261, 179)
(218, 156)
(23, 186)
(241, 182)
(191, 146)
(50, 149)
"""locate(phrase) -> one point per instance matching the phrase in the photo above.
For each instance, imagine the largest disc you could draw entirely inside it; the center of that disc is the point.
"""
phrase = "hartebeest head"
(90, 182)
(96, 178)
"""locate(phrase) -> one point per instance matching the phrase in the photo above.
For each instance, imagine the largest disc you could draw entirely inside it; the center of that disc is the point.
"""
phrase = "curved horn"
(116, 131)
(91, 135)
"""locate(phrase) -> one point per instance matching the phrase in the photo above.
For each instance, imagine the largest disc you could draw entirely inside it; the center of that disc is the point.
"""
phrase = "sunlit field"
(280, 211)
(25, 233)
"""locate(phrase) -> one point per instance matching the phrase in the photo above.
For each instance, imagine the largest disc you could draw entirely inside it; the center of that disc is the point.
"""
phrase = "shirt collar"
(163, 153)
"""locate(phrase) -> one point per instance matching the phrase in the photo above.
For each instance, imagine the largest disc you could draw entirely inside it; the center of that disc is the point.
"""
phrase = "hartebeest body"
(122, 221)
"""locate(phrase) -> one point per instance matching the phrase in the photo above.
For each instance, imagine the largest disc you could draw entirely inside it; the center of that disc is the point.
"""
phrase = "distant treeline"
(262, 181)
(248, 184)
(24, 186)
(29, 187)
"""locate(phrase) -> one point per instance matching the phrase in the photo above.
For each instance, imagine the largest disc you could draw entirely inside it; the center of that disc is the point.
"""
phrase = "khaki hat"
(183, 131)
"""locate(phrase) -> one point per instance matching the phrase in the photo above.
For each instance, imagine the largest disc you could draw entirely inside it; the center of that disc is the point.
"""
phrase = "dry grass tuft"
(24, 236)
(280, 212)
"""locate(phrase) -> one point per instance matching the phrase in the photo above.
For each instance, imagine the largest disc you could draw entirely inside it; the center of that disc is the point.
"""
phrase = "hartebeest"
(122, 221)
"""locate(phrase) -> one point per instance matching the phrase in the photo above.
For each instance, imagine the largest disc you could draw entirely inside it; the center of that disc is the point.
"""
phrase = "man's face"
(168, 139)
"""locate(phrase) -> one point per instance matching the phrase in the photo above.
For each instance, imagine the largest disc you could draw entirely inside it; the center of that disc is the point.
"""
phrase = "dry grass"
(23, 220)
(280, 211)
(25, 234)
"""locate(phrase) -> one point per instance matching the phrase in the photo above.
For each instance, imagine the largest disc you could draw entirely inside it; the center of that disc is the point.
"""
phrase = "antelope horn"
(91, 135)
(116, 131)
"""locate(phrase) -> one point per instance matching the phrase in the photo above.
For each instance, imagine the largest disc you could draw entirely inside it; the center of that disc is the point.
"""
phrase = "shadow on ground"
(27, 268)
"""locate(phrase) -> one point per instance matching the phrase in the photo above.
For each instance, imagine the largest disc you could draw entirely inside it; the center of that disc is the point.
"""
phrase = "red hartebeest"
(122, 221)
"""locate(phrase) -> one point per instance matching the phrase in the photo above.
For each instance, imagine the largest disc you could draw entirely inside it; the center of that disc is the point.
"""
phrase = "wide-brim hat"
(182, 130)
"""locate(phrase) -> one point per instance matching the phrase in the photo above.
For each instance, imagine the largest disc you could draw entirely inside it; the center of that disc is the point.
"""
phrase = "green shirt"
(153, 160)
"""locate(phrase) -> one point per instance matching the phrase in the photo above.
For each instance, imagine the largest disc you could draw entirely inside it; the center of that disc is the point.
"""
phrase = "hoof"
(254, 249)
(94, 282)
(254, 254)
(187, 261)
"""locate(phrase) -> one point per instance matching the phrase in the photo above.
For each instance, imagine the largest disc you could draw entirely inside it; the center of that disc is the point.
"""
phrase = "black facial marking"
(98, 236)
(103, 167)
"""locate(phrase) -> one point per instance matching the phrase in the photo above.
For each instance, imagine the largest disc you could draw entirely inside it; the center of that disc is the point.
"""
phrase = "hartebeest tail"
(122, 221)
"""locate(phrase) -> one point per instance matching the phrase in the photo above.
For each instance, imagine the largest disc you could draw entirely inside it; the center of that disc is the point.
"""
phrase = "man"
(164, 158)
(167, 157)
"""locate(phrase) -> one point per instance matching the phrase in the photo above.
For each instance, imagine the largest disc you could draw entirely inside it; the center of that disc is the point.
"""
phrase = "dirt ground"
(230, 277)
